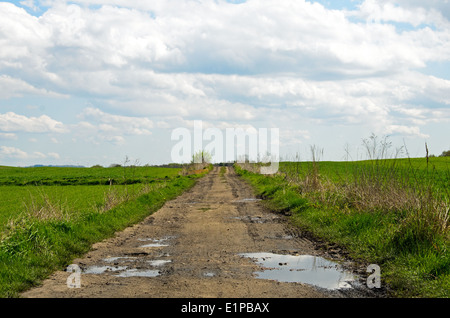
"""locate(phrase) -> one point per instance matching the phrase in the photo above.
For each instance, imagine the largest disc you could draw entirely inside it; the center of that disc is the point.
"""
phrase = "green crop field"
(436, 171)
(391, 212)
(87, 176)
(50, 215)
(72, 189)
(70, 200)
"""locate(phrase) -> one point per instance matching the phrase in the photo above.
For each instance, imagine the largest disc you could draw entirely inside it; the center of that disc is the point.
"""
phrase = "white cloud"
(109, 123)
(388, 10)
(30, 4)
(290, 137)
(125, 54)
(8, 136)
(289, 64)
(97, 126)
(12, 122)
(368, 100)
(12, 152)
(54, 155)
(410, 131)
(416, 12)
(14, 87)
(116, 140)
(16, 153)
(71, 45)
(38, 155)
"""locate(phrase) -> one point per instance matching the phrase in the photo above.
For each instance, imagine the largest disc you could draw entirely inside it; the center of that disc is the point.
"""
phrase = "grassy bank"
(52, 229)
(394, 213)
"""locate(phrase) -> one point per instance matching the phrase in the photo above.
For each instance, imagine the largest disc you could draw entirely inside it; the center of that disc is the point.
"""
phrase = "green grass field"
(435, 172)
(86, 176)
(392, 212)
(72, 189)
(51, 215)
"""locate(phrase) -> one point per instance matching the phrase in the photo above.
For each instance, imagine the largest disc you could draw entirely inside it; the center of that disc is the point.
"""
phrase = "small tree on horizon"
(201, 157)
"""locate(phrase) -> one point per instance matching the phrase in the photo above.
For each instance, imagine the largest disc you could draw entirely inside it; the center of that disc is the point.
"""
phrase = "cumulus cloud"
(54, 155)
(70, 41)
(30, 4)
(8, 136)
(102, 51)
(12, 152)
(410, 131)
(368, 100)
(16, 153)
(97, 126)
(162, 64)
(12, 122)
(415, 12)
(13, 87)
(115, 123)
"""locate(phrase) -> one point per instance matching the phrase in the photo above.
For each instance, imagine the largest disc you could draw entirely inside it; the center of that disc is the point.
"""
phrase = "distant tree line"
(445, 154)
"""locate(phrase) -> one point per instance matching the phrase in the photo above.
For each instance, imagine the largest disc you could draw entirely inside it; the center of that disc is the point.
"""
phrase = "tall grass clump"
(394, 186)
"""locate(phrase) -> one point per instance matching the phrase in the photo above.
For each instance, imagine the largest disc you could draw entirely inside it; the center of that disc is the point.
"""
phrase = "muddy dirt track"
(192, 248)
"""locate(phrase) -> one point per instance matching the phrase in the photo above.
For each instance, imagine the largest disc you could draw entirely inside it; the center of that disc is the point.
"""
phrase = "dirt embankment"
(192, 248)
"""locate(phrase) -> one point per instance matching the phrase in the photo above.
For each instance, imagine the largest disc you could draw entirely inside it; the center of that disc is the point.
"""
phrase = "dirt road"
(193, 248)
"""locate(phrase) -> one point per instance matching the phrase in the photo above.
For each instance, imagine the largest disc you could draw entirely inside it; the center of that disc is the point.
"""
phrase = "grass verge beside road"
(378, 214)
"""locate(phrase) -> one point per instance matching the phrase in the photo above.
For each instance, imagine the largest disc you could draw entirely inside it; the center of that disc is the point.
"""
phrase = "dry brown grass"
(380, 187)
(194, 168)
(43, 208)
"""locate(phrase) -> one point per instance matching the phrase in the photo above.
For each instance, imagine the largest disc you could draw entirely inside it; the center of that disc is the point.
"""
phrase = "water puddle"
(103, 269)
(209, 274)
(123, 270)
(139, 273)
(146, 239)
(245, 200)
(280, 237)
(154, 245)
(155, 242)
(306, 269)
(115, 259)
(159, 262)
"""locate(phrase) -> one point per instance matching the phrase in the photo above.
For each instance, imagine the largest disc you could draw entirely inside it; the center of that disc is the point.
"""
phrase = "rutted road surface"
(193, 248)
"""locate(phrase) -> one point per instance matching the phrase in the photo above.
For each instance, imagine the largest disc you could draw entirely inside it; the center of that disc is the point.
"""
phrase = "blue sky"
(94, 81)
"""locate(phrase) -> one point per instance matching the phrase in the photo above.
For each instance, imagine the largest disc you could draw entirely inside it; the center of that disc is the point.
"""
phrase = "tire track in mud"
(192, 248)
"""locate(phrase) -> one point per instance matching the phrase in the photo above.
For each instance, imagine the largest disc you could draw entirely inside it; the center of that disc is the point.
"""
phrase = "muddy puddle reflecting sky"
(247, 200)
(103, 269)
(159, 262)
(156, 242)
(305, 269)
(139, 273)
